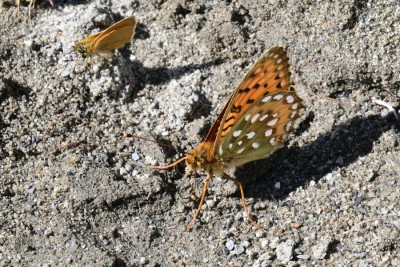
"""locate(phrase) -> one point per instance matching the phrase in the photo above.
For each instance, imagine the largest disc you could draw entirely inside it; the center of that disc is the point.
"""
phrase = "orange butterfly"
(254, 123)
(105, 42)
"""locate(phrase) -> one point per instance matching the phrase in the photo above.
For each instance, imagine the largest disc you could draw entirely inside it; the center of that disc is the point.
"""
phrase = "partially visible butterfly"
(255, 122)
(31, 4)
(105, 42)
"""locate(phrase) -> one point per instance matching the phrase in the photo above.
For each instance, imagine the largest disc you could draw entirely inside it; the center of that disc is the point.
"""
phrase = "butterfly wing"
(115, 39)
(212, 134)
(268, 75)
(126, 22)
(262, 129)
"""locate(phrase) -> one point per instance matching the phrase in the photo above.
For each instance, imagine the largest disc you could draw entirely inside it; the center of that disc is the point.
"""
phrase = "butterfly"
(105, 42)
(255, 122)
(31, 4)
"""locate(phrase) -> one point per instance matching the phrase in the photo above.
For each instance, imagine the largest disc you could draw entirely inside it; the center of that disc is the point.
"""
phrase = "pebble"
(303, 256)
(340, 160)
(135, 156)
(239, 249)
(284, 251)
(277, 185)
(320, 250)
(230, 245)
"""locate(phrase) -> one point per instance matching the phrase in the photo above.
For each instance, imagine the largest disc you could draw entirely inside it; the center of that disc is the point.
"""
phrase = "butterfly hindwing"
(262, 128)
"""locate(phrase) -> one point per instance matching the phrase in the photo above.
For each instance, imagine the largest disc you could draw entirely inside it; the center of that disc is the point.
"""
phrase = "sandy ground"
(330, 197)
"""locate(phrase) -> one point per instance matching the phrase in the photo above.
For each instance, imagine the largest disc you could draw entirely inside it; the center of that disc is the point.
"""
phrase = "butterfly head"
(202, 158)
(81, 49)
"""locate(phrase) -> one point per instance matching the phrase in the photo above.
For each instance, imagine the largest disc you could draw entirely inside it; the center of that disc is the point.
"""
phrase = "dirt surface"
(330, 197)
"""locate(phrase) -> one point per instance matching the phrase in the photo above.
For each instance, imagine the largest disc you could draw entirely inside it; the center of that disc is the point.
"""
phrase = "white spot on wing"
(277, 97)
(272, 122)
(255, 117)
(220, 150)
(272, 141)
(279, 61)
(289, 99)
(266, 99)
(295, 106)
(264, 117)
(293, 114)
(250, 135)
(288, 126)
(240, 150)
(230, 145)
(255, 145)
(247, 117)
(237, 133)
(240, 143)
(268, 132)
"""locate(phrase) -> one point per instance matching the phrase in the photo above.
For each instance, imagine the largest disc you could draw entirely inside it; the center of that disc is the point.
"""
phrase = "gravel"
(75, 191)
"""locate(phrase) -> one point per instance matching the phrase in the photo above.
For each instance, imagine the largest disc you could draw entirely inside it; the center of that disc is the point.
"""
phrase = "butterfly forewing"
(126, 22)
(268, 75)
(262, 129)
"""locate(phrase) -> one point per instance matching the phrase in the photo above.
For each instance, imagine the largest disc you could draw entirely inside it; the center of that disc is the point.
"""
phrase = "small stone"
(277, 185)
(340, 160)
(230, 245)
(303, 256)
(135, 156)
(223, 234)
(321, 249)
(128, 167)
(239, 249)
(210, 203)
(264, 243)
(260, 233)
(397, 160)
(284, 251)
(328, 176)
(31, 190)
(245, 244)
(274, 243)
(358, 200)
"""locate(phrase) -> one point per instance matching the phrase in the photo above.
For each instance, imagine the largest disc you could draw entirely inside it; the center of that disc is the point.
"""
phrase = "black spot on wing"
(245, 90)
(236, 109)
(230, 118)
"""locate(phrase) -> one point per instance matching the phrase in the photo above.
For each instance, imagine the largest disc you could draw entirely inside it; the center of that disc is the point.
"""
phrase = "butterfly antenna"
(169, 166)
(126, 135)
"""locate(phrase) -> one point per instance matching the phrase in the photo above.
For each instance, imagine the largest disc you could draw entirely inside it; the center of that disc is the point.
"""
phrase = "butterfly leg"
(190, 225)
(193, 193)
(239, 184)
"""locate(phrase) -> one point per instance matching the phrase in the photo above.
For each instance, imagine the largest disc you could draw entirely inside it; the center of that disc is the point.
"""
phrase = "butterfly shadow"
(296, 166)
(136, 76)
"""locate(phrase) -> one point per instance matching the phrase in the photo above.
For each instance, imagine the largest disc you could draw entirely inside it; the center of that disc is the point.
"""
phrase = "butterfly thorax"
(82, 48)
(202, 158)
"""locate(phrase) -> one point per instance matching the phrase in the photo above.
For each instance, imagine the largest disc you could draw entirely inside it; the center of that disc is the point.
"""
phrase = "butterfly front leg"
(190, 225)
(239, 184)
